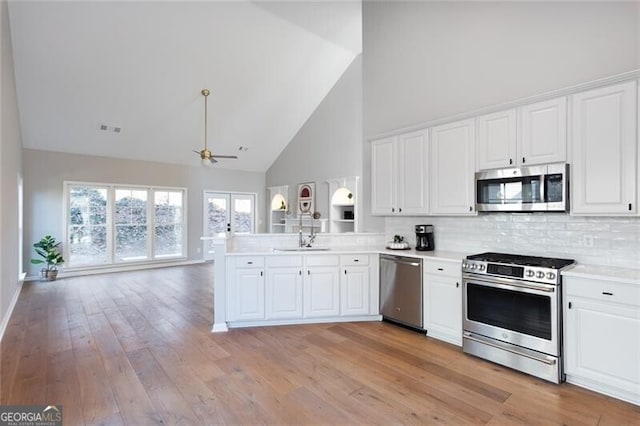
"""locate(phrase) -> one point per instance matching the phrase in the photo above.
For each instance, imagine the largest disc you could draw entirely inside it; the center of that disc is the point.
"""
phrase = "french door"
(227, 212)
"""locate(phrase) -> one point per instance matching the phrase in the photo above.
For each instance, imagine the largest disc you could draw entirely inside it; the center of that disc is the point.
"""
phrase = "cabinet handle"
(510, 160)
(345, 272)
(440, 269)
(300, 272)
(400, 210)
(393, 210)
(630, 207)
(523, 160)
(607, 293)
(308, 272)
(569, 305)
(261, 273)
(457, 285)
(470, 208)
(356, 260)
(249, 263)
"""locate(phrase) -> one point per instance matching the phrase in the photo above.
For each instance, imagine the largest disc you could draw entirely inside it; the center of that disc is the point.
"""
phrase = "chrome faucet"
(312, 235)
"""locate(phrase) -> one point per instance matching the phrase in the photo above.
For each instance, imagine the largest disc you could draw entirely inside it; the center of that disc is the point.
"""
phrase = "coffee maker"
(424, 238)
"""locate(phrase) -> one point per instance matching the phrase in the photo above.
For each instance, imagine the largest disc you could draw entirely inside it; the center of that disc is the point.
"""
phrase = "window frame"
(111, 260)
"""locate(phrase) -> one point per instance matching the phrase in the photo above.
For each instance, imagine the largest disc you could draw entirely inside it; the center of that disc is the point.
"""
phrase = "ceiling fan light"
(206, 162)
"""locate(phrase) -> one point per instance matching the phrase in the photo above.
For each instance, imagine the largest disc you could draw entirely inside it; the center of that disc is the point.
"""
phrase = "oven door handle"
(509, 283)
(503, 347)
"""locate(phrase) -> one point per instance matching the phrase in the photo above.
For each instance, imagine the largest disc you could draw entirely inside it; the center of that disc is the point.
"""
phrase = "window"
(109, 224)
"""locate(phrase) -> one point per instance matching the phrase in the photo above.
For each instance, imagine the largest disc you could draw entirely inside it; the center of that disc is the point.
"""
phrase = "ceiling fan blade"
(197, 152)
(213, 160)
(225, 156)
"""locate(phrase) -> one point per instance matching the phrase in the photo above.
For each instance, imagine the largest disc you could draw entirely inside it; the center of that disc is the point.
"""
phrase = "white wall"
(329, 144)
(45, 172)
(429, 60)
(10, 169)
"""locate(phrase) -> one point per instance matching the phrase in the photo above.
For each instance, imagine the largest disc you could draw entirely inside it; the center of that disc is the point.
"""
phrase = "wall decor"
(306, 194)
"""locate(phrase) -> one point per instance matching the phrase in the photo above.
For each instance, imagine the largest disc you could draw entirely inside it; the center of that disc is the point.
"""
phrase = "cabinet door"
(249, 291)
(542, 132)
(354, 290)
(497, 140)
(321, 292)
(604, 150)
(452, 168)
(383, 178)
(443, 308)
(602, 343)
(413, 173)
(284, 293)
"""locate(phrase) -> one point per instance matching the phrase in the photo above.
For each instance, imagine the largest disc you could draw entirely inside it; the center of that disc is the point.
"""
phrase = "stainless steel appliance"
(424, 238)
(401, 290)
(512, 311)
(526, 189)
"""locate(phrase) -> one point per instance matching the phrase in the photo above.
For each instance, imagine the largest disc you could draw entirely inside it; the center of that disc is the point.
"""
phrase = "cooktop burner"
(515, 259)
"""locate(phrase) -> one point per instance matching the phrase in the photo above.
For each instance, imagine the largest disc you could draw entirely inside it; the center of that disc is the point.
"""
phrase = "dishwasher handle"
(409, 261)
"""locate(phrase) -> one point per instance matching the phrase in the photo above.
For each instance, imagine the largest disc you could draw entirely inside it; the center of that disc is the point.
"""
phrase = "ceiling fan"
(207, 157)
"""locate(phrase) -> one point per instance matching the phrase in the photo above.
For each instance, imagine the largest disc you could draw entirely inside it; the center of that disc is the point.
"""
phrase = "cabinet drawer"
(438, 267)
(606, 291)
(250, 261)
(284, 261)
(322, 260)
(354, 259)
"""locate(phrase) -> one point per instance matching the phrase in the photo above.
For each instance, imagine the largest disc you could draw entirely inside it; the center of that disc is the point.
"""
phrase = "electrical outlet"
(587, 240)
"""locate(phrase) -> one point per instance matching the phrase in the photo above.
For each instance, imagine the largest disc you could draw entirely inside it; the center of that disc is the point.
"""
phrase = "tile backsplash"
(607, 241)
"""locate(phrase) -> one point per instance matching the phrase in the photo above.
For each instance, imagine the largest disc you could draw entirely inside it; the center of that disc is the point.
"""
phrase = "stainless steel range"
(513, 311)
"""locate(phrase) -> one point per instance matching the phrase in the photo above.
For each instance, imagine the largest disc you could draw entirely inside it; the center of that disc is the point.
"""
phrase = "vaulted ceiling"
(140, 66)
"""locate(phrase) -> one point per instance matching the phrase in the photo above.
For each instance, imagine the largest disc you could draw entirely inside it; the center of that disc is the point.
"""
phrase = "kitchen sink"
(302, 249)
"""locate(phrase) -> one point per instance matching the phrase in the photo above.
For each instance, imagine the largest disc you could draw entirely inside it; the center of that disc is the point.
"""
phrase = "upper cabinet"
(497, 140)
(399, 174)
(532, 134)
(604, 156)
(452, 168)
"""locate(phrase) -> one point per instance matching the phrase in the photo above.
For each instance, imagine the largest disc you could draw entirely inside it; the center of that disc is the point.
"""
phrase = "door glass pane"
(218, 213)
(243, 213)
(87, 222)
(168, 223)
(131, 225)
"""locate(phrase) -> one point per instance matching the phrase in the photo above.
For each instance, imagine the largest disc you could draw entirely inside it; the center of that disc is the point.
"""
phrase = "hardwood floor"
(136, 348)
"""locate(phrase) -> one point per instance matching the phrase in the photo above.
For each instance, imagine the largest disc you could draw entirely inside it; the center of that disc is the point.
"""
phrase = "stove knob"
(540, 274)
(551, 275)
(474, 266)
(529, 273)
(481, 267)
(465, 265)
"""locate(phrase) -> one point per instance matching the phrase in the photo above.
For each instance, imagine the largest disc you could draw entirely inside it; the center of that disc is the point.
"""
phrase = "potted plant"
(49, 250)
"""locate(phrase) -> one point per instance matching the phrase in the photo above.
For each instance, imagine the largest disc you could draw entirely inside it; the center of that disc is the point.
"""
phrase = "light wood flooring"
(135, 348)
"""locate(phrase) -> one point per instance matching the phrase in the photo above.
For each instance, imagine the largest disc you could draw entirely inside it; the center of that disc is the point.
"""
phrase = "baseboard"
(120, 268)
(12, 305)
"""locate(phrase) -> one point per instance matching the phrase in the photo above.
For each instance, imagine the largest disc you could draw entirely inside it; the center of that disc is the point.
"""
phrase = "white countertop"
(610, 273)
(435, 255)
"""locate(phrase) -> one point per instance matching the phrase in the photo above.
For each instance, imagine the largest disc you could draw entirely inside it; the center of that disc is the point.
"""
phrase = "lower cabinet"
(443, 300)
(602, 336)
(300, 288)
(249, 294)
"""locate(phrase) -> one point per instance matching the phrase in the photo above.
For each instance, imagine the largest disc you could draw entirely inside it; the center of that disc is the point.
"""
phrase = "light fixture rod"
(205, 93)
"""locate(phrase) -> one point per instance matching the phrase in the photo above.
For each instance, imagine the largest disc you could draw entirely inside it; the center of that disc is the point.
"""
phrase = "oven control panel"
(507, 270)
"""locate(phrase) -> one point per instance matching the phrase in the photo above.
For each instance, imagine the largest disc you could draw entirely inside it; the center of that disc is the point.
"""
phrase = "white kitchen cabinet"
(602, 336)
(321, 292)
(284, 292)
(249, 293)
(400, 175)
(443, 300)
(604, 151)
(452, 168)
(497, 136)
(542, 132)
(355, 285)
(529, 135)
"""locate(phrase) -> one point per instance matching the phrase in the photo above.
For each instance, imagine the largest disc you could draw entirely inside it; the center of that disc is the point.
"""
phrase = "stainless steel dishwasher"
(401, 290)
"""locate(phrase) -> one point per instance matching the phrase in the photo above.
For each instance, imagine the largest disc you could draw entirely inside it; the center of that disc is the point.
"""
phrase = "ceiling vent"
(113, 129)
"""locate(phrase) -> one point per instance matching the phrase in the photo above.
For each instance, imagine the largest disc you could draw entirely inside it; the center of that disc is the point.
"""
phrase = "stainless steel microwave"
(543, 188)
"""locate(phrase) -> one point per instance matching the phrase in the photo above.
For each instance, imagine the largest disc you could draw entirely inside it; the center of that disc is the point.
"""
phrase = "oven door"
(513, 311)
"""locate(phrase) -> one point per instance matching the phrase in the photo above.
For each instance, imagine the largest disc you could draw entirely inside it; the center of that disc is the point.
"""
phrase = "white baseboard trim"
(219, 328)
(12, 305)
(120, 268)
